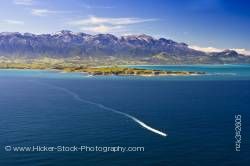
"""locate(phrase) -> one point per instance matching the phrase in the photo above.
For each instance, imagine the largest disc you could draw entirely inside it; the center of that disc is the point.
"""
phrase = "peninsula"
(66, 66)
(125, 71)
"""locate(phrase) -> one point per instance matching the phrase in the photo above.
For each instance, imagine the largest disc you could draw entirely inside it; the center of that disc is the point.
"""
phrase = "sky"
(208, 25)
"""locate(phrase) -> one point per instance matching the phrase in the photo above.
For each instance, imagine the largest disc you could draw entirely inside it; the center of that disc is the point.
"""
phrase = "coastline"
(112, 71)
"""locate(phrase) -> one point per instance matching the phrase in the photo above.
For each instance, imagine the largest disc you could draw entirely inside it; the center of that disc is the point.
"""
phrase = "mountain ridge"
(65, 44)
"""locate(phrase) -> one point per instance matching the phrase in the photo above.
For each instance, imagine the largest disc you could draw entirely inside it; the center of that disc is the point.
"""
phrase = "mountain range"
(66, 44)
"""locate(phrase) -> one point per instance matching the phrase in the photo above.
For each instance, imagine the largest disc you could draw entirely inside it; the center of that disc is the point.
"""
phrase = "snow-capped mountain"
(68, 44)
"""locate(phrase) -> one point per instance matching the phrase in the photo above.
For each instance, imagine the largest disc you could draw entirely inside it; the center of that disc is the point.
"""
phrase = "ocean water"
(49, 108)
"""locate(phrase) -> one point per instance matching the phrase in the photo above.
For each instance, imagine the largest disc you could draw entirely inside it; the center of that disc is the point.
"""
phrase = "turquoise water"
(48, 108)
(213, 72)
(10, 73)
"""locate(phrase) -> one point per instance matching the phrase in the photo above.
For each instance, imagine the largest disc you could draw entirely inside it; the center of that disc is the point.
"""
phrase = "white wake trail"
(77, 97)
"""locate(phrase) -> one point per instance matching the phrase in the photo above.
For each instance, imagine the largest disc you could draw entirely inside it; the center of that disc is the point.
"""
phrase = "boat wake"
(78, 98)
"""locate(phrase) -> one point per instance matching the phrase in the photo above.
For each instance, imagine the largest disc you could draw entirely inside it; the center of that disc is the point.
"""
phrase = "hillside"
(139, 48)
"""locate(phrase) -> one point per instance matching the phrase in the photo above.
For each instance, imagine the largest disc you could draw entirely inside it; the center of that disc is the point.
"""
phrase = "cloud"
(213, 49)
(96, 7)
(13, 22)
(46, 12)
(42, 12)
(102, 29)
(242, 51)
(23, 2)
(107, 24)
(206, 49)
(92, 20)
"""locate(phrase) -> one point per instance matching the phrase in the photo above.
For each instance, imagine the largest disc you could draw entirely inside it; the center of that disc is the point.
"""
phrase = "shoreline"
(113, 71)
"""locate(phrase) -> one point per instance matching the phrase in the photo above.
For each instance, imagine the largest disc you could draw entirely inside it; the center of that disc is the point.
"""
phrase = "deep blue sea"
(51, 109)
